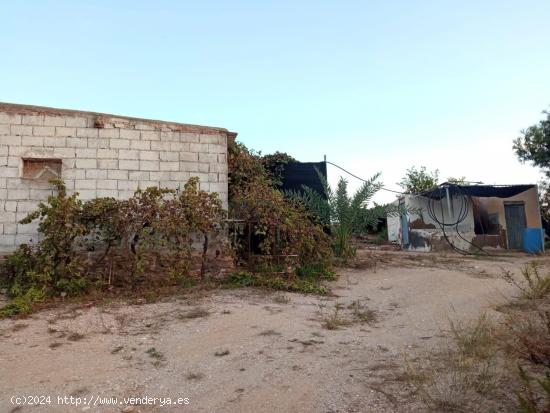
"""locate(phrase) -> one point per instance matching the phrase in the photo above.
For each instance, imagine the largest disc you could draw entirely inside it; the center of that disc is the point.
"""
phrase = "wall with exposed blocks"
(101, 156)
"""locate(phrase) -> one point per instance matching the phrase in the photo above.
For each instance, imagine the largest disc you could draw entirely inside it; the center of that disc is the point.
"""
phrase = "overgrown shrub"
(465, 374)
(159, 226)
(53, 265)
(283, 226)
(274, 165)
(85, 244)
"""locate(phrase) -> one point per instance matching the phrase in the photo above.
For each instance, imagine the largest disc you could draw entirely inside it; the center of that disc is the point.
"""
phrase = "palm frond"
(365, 193)
(394, 210)
(314, 201)
(341, 203)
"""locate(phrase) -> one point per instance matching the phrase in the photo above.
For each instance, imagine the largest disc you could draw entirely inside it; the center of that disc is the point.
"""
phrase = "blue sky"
(375, 85)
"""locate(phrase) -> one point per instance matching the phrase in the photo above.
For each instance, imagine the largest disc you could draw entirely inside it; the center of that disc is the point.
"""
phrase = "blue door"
(515, 224)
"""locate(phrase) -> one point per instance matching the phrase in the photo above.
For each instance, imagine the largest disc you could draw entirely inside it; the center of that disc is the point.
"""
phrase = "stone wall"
(101, 156)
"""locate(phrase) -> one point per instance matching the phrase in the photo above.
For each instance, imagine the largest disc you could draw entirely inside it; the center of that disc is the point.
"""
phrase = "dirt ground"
(255, 351)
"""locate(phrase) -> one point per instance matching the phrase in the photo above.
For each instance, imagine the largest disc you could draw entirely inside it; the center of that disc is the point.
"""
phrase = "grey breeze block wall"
(101, 155)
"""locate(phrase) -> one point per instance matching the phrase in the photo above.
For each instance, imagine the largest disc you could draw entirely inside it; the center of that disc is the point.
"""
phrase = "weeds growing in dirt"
(117, 349)
(154, 353)
(296, 284)
(455, 386)
(157, 356)
(269, 333)
(75, 337)
(530, 399)
(19, 326)
(473, 339)
(315, 270)
(534, 285)
(528, 336)
(281, 299)
(461, 374)
(335, 320)
(194, 376)
(362, 314)
(195, 313)
(488, 365)
(343, 316)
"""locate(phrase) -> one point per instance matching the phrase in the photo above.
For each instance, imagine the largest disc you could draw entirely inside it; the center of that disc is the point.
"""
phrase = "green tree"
(418, 180)
(534, 144)
(457, 181)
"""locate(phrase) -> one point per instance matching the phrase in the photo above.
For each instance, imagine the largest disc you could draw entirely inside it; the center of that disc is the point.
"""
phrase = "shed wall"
(530, 200)
(426, 235)
(102, 156)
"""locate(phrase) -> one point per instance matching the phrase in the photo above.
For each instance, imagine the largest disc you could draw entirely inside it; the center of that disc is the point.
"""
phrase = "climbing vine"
(105, 243)
(282, 226)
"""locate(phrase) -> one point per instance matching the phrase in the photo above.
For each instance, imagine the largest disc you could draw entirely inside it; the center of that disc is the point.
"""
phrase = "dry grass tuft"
(19, 326)
(475, 339)
(269, 333)
(117, 349)
(75, 337)
(194, 313)
(362, 314)
(194, 376)
(534, 285)
(335, 320)
(281, 299)
(528, 336)
(157, 355)
(464, 374)
(355, 313)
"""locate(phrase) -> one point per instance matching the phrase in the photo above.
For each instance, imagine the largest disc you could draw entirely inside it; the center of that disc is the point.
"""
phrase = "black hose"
(462, 215)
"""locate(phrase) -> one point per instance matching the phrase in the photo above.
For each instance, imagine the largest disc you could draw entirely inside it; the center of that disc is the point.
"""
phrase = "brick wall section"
(102, 156)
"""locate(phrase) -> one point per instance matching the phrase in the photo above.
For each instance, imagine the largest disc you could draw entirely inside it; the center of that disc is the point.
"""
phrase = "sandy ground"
(253, 351)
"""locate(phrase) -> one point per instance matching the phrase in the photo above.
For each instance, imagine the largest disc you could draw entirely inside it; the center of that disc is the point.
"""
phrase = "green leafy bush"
(88, 244)
(284, 226)
(275, 282)
(315, 270)
(274, 165)
(52, 265)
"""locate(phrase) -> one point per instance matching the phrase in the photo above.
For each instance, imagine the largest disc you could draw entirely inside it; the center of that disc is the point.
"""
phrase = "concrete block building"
(98, 155)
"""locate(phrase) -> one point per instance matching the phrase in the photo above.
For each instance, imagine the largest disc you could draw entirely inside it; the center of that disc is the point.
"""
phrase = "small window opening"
(41, 169)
